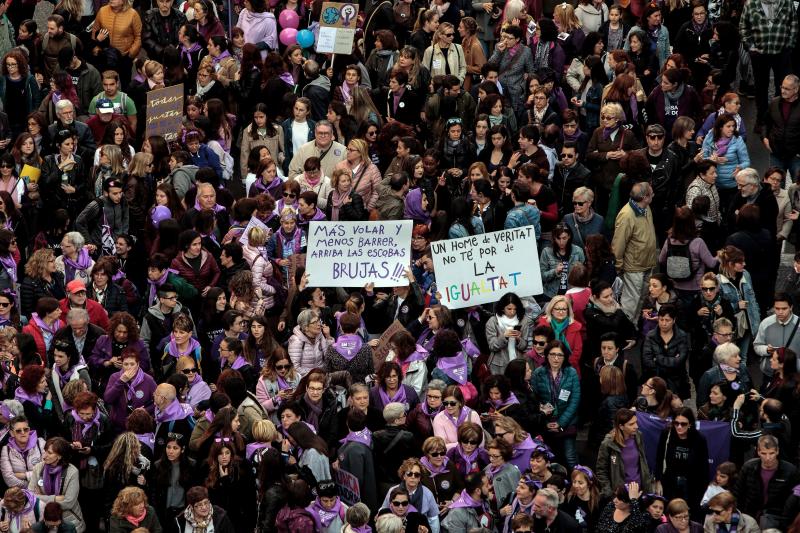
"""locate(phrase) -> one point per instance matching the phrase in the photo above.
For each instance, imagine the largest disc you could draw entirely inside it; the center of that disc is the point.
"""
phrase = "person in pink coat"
(455, 413)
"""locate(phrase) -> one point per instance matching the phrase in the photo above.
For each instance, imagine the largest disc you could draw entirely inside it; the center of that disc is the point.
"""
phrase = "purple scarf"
(31, 501)
(364, 437)
(287, 78)
(63, 377)
(237, 364)
(413, 207)
(86, 426)
(468, 459)
(426, 338)
(348, 346)
(420, 354)
(399, 396)
(32, 439)
(52, 479)
(282, 383)
(322, 516)
(70, 266)
(511, 400)
(154, 285)
(43, 325)
(462, 416)
(427, 410)
(223, 55)
(722, 145)
(466, 501)
(174, 411)
(494, 470)
(362, 529)
(574, 137)
(454, 367)
(132, 384)
(607, 132)
(634, 103)
(253, 447)
(175, 352)
(434, 471)
(148, 439)
(187, 53)
(270, 187)
(22, 395)
(11, 267)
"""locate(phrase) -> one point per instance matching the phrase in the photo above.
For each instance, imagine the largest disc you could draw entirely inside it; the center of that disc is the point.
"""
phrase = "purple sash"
(22, 395)
(174, 411)
(466, 501)
(399, 396)
(174, 351)
(32, 439)
(324, 517)
(364, 437)
(51, 477)
(454, 367)
(253, 447)
(434, 471)
(348, 346)
(86, 426)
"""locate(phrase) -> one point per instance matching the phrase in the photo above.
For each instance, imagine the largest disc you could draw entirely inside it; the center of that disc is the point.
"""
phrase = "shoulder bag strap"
(794, 331)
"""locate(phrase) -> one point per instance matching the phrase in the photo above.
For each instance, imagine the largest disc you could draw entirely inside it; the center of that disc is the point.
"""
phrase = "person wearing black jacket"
(400, 101)
(160, 28)
(682, 460)
(79, 332)
(405, 304)
(705, 310)
(693, 44)
(391, 446)
(355, 457)
(766, 504)
(197, 507)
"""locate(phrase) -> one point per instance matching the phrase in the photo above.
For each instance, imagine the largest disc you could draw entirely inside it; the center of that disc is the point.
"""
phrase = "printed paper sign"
(480, 269)
(347, 484)
(337, 28)
(352, 254)
(165, 112)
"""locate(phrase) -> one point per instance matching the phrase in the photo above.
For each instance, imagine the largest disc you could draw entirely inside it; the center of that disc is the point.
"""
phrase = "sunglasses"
(608, 117)
(283, 367)
(450, 403)
(413, 474)
(472, 442)
(5, 304)
(289, 195)
(708, 289)
(681, 424)
(400, 503)
(578, 203)
(566, 156)
(436, 454)
(653, 136)
(449, 34)
(540, 343)
(716, 511)
(188, 371)
(6, 166)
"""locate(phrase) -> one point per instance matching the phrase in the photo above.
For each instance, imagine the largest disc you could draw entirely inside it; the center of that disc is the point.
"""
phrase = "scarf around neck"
(671, 99)
(433, 470)
(51, 477)
(466, 501)
(22, 395)
(324, 517)
(198, 525)
(136, 520)
(32, 440)
(174, 411)
(154, 285)
(722, 145)
(454, 367)
(187, 53)
(10, 266)
(608, 132)
(348, 346)
(399, 396)
(86, 426)
(176, 352)
(364, 437)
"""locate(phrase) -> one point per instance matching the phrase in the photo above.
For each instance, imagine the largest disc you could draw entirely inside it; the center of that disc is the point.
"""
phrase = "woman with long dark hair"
(230, 484)
(314, 451)
(172, 476)
(682, 460)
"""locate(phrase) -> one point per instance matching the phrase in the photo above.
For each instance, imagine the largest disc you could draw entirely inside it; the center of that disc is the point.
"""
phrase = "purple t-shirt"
(630, 460)
(766, 477)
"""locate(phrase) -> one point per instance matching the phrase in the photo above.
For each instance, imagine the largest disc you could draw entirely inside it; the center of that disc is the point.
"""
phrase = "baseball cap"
(75, 286)
(104, 105)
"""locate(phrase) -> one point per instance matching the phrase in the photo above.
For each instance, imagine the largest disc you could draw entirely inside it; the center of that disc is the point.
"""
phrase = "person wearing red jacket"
(76, 299)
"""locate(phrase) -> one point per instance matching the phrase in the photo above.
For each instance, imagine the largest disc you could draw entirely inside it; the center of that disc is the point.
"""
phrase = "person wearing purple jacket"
(105, 358)
(129, 389)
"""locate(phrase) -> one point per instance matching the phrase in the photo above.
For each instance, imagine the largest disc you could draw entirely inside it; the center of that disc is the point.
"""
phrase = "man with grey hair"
(80, 333)
(751, 191)
(318, 90)
(634, 247)
(782, 127)
(392, 445)
(547, 517)
(65, 120)
(330, 152)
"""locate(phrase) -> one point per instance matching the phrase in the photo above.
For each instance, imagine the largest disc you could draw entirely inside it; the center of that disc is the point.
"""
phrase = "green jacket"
(610, 469)
(186, 291)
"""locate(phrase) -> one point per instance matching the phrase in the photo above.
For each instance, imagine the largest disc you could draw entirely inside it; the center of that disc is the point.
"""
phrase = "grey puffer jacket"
(92, 219)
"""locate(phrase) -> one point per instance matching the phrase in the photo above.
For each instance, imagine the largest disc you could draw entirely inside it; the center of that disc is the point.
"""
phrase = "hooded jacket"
(259, 29)
(319, 92)
(182, 179)
(305, 353)
(99, 213)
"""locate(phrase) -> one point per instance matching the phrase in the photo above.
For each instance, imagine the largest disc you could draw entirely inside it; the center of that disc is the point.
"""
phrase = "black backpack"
(403, 14)
(679, 262)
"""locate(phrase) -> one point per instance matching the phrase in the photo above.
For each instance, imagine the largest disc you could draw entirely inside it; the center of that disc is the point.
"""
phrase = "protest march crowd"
(221, 225)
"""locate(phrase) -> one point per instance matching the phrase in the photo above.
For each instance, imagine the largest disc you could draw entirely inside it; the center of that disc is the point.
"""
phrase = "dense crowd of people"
(168, 364)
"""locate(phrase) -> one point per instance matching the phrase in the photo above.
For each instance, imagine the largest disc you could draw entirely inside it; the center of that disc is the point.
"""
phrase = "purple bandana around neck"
(8, 263)
(462, 416)
(187, 53)
(270, 187)
(348, 345)
(32, 440)
(426, 338)
(362, 529)
(434, 471)
(31, 500)
(468, 459)
(324, 517)
(427, 409)
(22, 395)
(608, 132)
(63, 377)
(132, 384)
(722, 145)
(86, 426)
(454, 367)
(399, 396)
(282, 383)
(174, 411)
(238, 363)
(220, 57)
(83, 262)
(511, 400)
(494, 470)
(465, 501)
(175, 352)
(217, 208)
(364, 437)
(287, 78)
(148, 439)
(51, 477)
(420, 354)
(43, 325)
(154, 285)
(253, 447)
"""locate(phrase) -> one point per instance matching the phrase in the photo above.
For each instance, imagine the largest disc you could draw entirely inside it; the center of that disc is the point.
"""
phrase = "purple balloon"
(289, 19)
(160, 213)
(288, 36)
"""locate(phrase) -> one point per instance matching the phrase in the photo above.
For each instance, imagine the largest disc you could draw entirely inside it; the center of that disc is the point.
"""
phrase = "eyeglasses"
(20, 431)
(434, 397)
(654, 136)
(647, 385)
(495, 456)
(189, 371)
(555, 354)
(204, 503)
(222, 439)
(450, 403)
(708, 289)
(681, 517)
(323, 133)
(315, 389)
(413, 474)
(723, 334)
(436, 454)
(472, 442)
(289, 195)
(173, 297)
(579, 204)
(283, 367)
(608, 117)
(400, 503)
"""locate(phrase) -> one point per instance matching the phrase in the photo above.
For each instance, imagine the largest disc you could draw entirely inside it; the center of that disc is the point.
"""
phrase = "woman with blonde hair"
(41, 279)
(141, 166)
(419, 76)
(260, 266)
(344, 203)
(583, 498)
(125, 466)
(131, 511)
(559, 316)
(568, 23)
(277, 382)
(509, 429)
(363, 109)
(110, 165)
(366, 177)
(474, 55)
(198, 389)
(443, 56)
